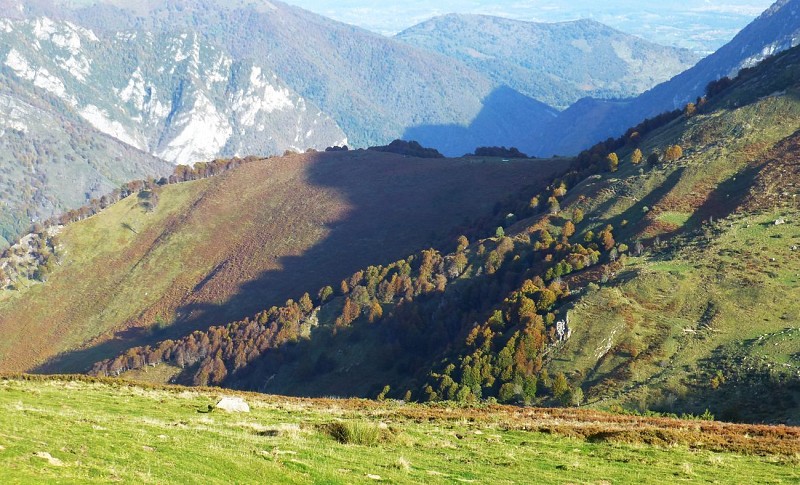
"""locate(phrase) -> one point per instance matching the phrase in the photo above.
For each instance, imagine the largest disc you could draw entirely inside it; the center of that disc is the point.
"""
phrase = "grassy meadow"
(63, 430)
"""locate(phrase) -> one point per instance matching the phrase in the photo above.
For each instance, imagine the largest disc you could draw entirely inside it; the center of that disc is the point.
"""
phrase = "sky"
(701, 25)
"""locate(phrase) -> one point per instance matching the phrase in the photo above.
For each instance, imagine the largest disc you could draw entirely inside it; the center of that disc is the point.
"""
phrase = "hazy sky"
(703, 25)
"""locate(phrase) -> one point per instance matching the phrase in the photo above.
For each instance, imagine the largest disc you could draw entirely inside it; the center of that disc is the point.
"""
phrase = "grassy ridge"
(95, 431)
(223, 248)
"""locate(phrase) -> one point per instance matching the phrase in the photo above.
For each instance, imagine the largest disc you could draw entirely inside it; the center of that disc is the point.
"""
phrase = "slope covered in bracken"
(660, 273)
(221, 248)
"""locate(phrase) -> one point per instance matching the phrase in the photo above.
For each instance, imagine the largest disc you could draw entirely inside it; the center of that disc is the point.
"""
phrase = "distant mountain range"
(189, 80)
(557, 64)
(591, 120)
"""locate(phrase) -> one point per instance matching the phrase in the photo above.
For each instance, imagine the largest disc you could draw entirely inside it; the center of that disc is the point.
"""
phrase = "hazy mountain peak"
(556, 63)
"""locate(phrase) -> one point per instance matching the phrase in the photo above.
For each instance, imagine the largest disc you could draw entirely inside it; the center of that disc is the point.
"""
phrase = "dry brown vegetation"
(220, 249)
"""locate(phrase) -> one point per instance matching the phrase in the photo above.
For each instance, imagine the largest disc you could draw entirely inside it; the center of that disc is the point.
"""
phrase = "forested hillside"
(557, 64)
(659, 274)
(592, 120)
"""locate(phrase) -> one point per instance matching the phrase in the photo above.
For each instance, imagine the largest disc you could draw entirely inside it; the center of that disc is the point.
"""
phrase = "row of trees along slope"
(518, 316)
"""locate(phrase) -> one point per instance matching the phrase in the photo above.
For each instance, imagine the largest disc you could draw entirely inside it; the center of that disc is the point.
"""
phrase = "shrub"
(355, 433)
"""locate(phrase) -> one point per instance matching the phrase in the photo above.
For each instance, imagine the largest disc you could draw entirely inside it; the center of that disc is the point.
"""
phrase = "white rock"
(233, 405)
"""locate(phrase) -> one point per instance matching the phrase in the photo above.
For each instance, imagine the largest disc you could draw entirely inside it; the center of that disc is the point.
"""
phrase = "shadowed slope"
(222, 248)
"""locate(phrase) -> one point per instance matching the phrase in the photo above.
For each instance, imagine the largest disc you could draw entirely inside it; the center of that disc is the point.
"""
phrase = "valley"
(243, 242)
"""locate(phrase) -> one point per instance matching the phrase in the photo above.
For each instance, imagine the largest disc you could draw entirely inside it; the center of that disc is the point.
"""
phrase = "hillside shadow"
(397, 207)
(507, 118)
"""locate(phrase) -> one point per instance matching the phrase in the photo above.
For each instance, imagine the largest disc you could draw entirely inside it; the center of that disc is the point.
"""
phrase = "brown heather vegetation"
(222, 248)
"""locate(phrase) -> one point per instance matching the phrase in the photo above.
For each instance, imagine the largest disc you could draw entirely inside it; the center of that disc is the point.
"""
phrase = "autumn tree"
(636, 157)
(305, 303)
(612, 162)
(690, 110)
(463, 243)
(375, 312)
(569, 229)
(674, 152)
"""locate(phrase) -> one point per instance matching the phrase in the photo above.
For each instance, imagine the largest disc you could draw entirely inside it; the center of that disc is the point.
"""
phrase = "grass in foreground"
(81, 431)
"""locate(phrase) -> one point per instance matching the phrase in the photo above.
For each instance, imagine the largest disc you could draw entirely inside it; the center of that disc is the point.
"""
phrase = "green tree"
(500, 232)
(577, 216)
(653, 159)
(560, 386)
(325, 294)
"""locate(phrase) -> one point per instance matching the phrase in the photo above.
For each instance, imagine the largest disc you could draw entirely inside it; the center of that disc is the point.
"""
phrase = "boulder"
(233, 405)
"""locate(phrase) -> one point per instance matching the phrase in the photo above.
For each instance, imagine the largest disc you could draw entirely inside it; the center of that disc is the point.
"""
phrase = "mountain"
(591, 120)
(51, 159)
(557, 64)
(182, 256)
(658, 274)
(166, 94)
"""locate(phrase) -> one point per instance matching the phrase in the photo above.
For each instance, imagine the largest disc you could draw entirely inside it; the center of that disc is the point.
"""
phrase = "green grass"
(72, 431)
(674, 218)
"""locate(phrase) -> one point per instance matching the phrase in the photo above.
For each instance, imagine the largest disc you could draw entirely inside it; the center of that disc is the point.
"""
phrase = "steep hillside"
(225, 247)
(557, 64)
(659, 274)
(591, 121)
(64, 429)
(168, 94)
(52, 160)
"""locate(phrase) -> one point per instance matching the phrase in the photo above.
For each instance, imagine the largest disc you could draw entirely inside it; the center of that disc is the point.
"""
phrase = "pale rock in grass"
(233, 405)
(50, 459)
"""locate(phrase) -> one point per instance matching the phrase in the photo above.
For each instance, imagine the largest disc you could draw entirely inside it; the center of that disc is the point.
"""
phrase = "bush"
(355, 433)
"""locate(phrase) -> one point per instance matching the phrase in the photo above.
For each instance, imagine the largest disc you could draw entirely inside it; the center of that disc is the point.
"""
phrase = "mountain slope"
(167, 94)
(224, 247)
(666, 285)
(556, 64)
(106, 432)
(52, 160)
(591, 121)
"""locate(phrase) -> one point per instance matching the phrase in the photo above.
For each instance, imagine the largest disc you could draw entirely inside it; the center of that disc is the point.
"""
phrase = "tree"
(607, 240)
(636, 157)
(375, 312)
(673, 153)
(305, 303)
(463, 243)
(612, 162)
(569, 229)
(553, 205)
(560, 386)
(577, 216)
(500, 232)
(653, 159)
(325, 294)
(690, 110)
